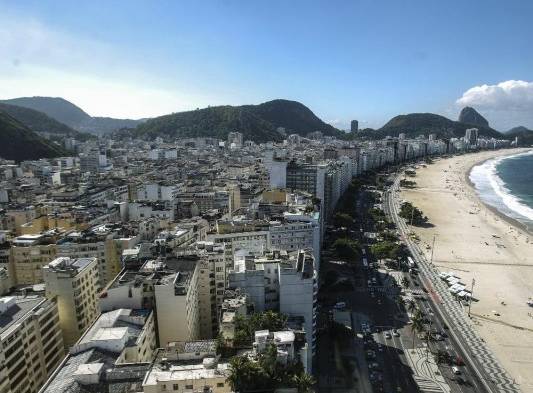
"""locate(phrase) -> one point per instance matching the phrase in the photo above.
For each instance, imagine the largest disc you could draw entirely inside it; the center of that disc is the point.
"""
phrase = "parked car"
(387, 335)
(340, 306)
(456, 370)
(395, 333)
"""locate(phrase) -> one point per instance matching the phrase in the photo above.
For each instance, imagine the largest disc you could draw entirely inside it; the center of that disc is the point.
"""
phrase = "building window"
(175, 386)
(220, 384)
(188, 386)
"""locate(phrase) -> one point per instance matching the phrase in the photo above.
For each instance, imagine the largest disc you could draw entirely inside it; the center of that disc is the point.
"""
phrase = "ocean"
(506, 183)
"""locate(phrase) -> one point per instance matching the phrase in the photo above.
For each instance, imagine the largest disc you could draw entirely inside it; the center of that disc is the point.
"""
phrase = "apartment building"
(103, 242)
(31, 344)
(307, 177)
(188, 367)
(215, 261)
(73, 283)
(176, 299)
(29, 253)
(112, 356)
(281, 282)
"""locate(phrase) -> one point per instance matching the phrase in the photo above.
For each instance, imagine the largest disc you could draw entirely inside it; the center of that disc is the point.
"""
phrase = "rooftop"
(69, 264)
(17, 308)
(175, 370)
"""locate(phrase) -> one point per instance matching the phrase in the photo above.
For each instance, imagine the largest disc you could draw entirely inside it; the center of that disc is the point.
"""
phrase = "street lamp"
(471, 296)
(432, 249)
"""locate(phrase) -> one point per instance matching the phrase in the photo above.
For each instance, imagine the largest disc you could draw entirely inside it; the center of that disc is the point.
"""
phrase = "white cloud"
(511, 95)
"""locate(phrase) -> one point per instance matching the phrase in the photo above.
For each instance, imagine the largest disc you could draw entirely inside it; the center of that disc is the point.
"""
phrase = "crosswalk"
(498, 377)
(428, 385)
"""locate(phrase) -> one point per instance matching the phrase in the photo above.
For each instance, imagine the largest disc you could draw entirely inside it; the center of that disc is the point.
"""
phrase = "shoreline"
(476, 241)
(512, 221)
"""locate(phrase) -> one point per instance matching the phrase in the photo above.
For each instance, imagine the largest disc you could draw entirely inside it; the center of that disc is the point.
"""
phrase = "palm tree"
(241, 373)
(417, 325)
(304, 382)
(400, 301)
(411, 306)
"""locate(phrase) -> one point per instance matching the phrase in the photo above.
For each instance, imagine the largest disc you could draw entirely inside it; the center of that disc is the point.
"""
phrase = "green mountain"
(71, 115)
(525, 135)
(55, 107)
(295, 117)
(256, 122)
(19, 143)
(415, 124)
(39, 122)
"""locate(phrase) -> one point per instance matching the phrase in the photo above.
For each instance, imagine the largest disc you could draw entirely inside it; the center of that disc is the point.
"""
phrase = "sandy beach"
(474, 242)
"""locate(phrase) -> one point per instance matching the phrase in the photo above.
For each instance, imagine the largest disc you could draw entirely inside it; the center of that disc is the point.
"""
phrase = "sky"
(368, 60)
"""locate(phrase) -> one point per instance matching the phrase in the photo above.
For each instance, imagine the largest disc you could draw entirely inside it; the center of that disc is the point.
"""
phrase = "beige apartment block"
(176, 298)
(74, 285)
(31, 344)
(29, 254)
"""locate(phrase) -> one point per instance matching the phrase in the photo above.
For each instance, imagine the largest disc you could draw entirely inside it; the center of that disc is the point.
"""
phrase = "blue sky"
(368, 60)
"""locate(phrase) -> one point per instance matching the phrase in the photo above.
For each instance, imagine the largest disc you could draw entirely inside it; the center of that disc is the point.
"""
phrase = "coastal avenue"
(385, 354)
(466, 340)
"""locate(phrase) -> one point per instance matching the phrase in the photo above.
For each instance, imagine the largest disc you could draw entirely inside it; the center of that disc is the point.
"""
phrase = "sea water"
(506, 183)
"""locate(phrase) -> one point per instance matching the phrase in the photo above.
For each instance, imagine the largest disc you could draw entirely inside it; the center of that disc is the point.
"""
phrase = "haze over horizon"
(358, 60)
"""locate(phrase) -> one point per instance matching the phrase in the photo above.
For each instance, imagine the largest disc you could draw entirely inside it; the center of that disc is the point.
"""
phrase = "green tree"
(343, 220)
(386, 249)
(412, 214)
(347, 249)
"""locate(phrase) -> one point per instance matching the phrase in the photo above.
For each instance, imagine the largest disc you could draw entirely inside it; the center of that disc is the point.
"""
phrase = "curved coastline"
(474, 240)
(510, 220)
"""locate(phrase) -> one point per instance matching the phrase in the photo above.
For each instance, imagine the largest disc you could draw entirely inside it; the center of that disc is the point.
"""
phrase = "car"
(374, 366)
(460, 381)
(387, 335)
(395, 333)
(380, 347)
(372, 294)
(456, 370)
(339, 305)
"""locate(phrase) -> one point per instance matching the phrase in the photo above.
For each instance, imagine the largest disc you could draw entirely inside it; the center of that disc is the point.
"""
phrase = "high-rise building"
(471, 136)
(31, 344)
(73, 283)
(235, 139)
(354, 126)
(281, 283)
(176, 299)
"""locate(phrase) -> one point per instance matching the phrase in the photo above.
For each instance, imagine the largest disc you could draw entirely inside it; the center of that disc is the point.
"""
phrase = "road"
(491, 376)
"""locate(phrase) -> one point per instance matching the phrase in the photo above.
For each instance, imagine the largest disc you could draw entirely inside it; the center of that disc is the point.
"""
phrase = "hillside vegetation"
(39, 122)
(19, 143)
(256, 122)
(71, 115)
(415, 124)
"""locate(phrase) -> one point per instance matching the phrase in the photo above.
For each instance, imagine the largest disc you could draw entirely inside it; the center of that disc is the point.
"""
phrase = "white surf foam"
(486, 175)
